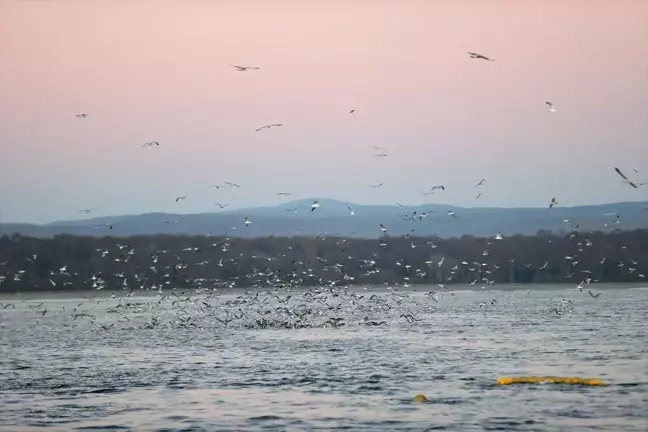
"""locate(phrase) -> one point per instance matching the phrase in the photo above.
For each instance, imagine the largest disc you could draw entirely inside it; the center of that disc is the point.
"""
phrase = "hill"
(334, 218)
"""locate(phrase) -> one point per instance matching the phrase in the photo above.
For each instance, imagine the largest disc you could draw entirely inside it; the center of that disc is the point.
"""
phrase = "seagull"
(478, 195)
(180, 198)
(553, 203)
(499, 236)
(244, 68)
(284, 193)
(626, 180)
(351, 212)
(437, 187)
(230, 184)
(247, 221)
(82, 115)
(451, 213)
(150, 144)
(550, 107)
(351, 112)
(269, 126)
(481, 182)
(376, 186)
(86, 211)
(222, 206)
(315, 205)
(479, 56)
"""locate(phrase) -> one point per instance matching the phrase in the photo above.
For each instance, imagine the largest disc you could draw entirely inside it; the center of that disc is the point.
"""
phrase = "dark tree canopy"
(149, 262)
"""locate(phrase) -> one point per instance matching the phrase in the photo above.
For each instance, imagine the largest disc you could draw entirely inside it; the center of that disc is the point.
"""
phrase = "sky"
(160, 71)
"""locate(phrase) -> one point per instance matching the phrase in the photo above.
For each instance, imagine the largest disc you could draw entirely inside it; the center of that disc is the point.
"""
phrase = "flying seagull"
(151, 144)
(481, 182)
(244, 68)
(550, 107)
(351, 112)
(351, 212)
(269, 126)
(180, 198)
(479, 56)
(625, 179)
(284, 193)
(437, 187)
(376, 186)
(82, 115)
(222, 206)
(230, 184)
(553, 203)
(315, 205)
(86, 211)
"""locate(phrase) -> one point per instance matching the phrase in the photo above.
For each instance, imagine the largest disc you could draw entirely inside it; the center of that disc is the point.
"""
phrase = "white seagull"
(315, 205)
(550, 107)
(625, 179)
(269, 126)
(244, 68)
(479, 56)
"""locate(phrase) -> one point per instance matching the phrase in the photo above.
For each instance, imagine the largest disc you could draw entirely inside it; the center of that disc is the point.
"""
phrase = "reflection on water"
(65, 374)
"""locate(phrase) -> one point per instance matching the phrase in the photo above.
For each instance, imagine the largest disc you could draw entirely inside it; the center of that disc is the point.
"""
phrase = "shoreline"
(71, 294)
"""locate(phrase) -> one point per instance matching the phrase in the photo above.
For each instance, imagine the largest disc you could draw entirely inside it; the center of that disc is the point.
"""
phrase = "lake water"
(147, 364)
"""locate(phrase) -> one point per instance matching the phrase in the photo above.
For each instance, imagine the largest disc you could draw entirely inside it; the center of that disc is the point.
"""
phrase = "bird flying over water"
(222, 206)
(244, 68)
(315, 205)
(553, 203)
(86, 211)
(269, 126)
(479, 56)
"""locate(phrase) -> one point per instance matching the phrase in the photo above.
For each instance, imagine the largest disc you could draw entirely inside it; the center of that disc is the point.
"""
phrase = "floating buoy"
(419, 398)
(549, 380)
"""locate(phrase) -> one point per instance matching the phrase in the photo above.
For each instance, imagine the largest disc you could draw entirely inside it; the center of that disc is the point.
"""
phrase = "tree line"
(67, 262)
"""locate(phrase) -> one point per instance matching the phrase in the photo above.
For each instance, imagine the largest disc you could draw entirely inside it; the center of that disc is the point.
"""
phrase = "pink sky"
(158, 70)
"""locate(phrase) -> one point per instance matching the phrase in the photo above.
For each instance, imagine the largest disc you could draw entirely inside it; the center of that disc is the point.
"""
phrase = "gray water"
(62, 374)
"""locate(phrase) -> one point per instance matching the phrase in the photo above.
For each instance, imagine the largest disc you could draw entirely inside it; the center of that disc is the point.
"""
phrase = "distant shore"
(105, 293)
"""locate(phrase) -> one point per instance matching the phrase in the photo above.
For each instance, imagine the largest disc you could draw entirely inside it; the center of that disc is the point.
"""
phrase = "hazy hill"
(334, 218)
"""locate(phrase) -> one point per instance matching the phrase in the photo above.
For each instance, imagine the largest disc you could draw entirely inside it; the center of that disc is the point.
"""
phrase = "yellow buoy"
(419, 398)
(549, 380)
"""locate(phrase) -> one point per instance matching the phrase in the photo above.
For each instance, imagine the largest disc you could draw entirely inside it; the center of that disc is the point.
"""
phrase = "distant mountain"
(334, 218)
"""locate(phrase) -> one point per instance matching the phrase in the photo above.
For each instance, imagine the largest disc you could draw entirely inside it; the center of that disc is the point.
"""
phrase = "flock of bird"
(305, 298)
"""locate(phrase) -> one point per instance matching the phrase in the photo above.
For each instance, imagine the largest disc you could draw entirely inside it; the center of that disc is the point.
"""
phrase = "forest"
(67, 262)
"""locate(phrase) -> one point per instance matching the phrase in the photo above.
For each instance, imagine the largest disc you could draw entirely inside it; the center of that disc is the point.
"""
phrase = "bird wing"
(620, 173)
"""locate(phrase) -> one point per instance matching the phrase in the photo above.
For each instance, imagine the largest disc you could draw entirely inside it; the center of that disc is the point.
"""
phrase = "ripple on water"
(355, 378)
